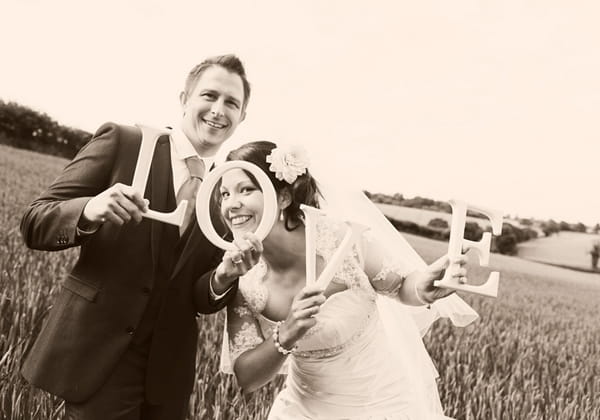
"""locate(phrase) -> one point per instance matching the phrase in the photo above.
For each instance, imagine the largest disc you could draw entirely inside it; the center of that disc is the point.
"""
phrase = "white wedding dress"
(349, 365)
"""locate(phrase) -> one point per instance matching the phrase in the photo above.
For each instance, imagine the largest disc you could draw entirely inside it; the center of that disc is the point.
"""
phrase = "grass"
(571, 249)
(563, 249)
(532, 355)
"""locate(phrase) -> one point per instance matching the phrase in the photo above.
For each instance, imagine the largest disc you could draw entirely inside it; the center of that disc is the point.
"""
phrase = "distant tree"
(444, 207)
(380, 198)
(529, 234)
(595, 254)
(438, 223)
(416, 229)
(565, 226)
(419, 202)
(473, 231)
(506, 244)
(526, 222)
(398, 197)
(23, 127)
(580, 227)
(476, 214)
(597, 228)
(550, 227)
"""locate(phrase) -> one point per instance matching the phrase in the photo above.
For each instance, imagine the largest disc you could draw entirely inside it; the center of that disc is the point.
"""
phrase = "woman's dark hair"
(303, 190)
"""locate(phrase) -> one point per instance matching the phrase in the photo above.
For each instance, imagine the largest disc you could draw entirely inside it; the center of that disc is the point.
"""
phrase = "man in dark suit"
(120, 341)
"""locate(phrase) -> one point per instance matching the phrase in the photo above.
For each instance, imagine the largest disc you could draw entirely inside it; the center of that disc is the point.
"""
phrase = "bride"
(344, 358)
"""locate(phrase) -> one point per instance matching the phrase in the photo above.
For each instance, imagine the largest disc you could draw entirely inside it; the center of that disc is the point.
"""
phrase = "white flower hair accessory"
(288, 162)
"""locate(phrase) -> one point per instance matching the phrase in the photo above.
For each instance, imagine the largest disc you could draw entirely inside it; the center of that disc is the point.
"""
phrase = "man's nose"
(217, 108)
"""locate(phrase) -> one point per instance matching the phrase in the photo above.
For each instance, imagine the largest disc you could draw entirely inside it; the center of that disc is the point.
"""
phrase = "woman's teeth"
(238, 220)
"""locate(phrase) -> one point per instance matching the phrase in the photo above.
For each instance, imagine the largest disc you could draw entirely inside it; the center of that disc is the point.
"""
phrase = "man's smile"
(214, 124)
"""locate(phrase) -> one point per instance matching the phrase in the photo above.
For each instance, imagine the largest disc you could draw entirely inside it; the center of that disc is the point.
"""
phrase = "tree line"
(26, 128)
(437, 228)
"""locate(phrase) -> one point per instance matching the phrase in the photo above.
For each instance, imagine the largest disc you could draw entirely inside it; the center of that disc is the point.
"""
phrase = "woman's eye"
(247, 190)
(224, 194)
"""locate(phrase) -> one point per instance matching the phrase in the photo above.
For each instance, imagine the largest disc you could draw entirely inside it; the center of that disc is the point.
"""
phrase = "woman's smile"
(238, 221)
(241, 201)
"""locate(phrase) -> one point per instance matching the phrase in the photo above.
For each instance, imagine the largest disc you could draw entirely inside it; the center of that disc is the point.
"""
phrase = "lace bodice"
(332, 332)
(343, 367)
(350, 273)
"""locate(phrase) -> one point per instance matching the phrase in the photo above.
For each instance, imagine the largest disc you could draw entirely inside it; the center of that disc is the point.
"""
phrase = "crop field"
(533, 354)
(423, 216)
(564, 248)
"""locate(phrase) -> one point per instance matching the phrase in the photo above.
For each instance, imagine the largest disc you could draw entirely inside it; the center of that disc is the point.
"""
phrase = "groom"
(120, 340)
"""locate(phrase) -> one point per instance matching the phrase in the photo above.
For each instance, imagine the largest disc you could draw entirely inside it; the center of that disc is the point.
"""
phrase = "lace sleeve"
(330, 233)
(385, 272)
(243, 329)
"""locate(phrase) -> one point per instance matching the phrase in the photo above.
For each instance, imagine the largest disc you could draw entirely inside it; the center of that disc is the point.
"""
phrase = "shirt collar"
(184, 149)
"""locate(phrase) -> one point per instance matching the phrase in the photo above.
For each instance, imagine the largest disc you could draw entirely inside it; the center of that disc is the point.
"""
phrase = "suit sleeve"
(50, 222)
(203, 301)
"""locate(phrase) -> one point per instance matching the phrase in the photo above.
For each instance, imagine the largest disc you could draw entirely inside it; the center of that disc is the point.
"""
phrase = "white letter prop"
(150, 136)
(203, 202)
(458, 243)
(352, 235)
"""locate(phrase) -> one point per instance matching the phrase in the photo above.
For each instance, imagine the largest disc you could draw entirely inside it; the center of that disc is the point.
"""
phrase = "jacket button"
(146, 290)
(129, 330)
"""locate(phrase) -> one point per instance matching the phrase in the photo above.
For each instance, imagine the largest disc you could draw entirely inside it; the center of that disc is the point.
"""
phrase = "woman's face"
(242, 202)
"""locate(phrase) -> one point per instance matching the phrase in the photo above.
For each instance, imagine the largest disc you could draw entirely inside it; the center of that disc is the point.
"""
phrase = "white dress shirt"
(181, 149)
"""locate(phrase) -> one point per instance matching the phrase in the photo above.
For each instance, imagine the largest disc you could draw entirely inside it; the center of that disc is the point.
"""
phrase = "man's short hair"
(229, 62)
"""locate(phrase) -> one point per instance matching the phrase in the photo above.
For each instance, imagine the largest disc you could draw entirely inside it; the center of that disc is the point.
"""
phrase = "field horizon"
(565, 249)
(533, 354)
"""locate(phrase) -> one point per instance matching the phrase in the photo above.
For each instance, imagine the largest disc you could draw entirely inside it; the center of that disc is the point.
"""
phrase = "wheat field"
(570, 249)
(534, 354)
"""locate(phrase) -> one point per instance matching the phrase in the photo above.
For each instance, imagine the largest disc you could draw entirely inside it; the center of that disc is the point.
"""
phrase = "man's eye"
(233, 104)
(208, 95)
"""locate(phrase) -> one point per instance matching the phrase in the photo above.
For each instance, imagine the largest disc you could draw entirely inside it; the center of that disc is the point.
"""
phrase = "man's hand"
(238, 262)
(118, 204)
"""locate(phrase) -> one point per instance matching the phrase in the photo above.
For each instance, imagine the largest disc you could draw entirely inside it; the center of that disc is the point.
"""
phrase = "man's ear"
(284, 198)
(182, 98)
(243, 116)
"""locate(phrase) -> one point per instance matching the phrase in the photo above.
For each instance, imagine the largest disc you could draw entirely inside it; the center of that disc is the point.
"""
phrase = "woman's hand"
(425, 291)
(305, 306)
(238, 262)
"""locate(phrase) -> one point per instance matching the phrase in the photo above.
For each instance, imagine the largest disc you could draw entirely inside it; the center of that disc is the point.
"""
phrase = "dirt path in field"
(431, 249)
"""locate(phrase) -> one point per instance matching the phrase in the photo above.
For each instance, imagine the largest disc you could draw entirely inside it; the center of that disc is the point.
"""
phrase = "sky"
(493, 102)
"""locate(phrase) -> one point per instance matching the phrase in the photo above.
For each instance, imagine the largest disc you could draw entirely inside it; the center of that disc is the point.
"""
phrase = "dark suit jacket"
(103, 298)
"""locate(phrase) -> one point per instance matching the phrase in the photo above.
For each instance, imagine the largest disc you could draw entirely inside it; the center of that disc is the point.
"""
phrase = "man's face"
(213, 109)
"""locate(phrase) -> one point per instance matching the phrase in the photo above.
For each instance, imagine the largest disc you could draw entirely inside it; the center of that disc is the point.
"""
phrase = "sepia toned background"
(494, 102)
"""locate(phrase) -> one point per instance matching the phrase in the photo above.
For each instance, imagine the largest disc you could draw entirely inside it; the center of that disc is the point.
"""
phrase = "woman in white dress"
(332, 344)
